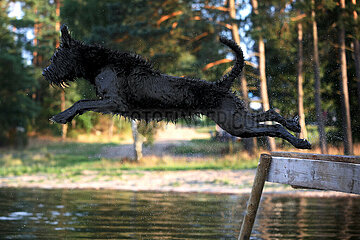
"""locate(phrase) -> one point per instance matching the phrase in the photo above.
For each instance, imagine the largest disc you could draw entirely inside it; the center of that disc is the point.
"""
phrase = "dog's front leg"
(104, 106)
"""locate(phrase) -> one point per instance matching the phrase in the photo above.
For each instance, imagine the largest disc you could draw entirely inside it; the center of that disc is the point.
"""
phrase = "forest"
(302, 58)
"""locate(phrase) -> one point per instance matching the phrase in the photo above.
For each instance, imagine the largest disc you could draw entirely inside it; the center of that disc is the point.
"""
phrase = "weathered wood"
(318, 174)
(307, 170)
(254, 200)
(314, 156)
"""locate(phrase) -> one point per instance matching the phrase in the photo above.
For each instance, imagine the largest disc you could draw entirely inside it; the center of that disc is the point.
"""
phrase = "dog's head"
(64, 66)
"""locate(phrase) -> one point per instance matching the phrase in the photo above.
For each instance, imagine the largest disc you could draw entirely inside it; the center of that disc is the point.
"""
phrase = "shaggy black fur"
(128, 85)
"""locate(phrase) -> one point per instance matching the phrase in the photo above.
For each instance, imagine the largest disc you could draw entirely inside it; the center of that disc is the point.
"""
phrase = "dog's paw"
(303, 144)
(59, 118)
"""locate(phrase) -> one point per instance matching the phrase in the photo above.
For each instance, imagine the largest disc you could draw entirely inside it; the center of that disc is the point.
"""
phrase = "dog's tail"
(227, 80)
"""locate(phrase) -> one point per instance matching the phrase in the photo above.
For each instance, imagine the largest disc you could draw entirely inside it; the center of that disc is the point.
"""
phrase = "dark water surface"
(109, 214)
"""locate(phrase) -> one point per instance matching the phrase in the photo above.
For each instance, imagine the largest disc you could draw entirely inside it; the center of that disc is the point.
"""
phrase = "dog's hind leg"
(272, 115)
(103, 106)
(239, 123)
(277, 130)
(242, 126)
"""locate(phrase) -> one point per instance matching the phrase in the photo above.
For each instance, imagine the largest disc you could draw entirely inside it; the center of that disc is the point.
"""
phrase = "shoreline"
(190, 181)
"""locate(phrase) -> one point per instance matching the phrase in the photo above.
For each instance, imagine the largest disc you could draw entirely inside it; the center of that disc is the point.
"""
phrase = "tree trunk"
(138, 141)
(35, 53)
(57, 24)
(303, 133)
(316, 63)
(357, 52)
(35, 41)
(263, 83)
(248, 142)
(234, 26)
(64, 127)
(348, 147)
(263, 86)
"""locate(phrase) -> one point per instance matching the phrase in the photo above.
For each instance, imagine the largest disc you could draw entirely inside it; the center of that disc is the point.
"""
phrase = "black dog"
(128, 85)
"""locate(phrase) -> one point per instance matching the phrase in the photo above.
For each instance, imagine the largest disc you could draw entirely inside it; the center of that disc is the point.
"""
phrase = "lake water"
(108, 214)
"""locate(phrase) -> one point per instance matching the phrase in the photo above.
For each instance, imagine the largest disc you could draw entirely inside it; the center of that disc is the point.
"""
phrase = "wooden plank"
(327, 175)
(254, 200)
(325, 157)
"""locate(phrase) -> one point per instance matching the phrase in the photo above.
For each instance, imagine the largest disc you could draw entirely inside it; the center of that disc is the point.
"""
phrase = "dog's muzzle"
(50, 75)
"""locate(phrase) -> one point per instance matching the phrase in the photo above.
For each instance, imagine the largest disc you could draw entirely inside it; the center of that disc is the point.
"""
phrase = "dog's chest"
(107, 83)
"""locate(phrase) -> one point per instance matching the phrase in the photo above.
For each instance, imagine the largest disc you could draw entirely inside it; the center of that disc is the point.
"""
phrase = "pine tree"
(356, 50)
(16, 83)
(303, 133)
(262, 70)
(348, 145)
(41, 17)
(248, 143)
(319, 112)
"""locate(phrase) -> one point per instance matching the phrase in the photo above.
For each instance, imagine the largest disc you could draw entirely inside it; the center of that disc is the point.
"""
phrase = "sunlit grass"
(206, 147)
(50, 158)
(227, 162)
(74, 159)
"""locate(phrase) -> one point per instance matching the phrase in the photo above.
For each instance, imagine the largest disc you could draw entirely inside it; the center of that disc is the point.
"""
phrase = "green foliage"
(16, 105)
(79, 90)
(148, 130)
(137, 26)
(40, 16)
(205, 147)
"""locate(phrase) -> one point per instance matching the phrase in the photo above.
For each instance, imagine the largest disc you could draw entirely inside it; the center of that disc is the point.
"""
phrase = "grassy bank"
(74, 159)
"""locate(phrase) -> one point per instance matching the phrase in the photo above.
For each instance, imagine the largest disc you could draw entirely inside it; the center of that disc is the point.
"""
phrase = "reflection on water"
(104, 214)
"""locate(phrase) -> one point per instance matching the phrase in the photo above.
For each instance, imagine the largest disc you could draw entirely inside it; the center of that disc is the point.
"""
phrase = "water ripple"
(47, 214)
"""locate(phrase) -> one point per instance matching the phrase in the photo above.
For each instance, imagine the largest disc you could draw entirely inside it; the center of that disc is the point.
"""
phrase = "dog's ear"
(65, 36)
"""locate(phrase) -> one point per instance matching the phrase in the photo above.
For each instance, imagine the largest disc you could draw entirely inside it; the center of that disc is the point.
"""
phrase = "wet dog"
(128, 85)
